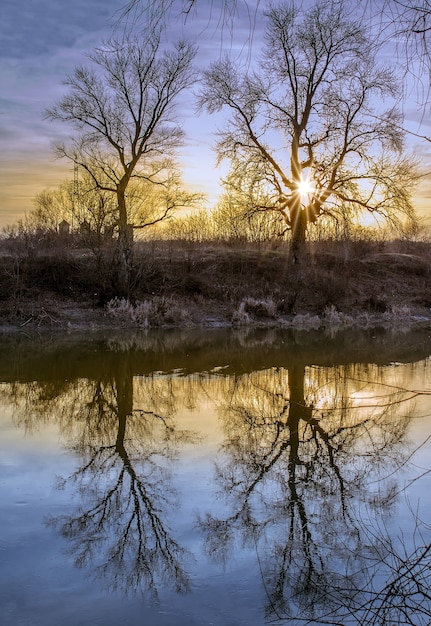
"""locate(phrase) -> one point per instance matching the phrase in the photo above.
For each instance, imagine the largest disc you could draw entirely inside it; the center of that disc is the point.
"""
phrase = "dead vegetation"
(178, 283)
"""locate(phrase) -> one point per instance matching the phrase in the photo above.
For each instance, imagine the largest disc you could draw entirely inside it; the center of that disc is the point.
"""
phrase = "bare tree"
(77, 202)
(307, 125)
(123, 111)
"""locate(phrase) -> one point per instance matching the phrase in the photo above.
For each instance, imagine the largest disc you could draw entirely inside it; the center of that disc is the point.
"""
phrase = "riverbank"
(185, 284)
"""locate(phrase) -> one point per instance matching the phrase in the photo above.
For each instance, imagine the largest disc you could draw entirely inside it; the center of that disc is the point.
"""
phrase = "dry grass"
(178, 283)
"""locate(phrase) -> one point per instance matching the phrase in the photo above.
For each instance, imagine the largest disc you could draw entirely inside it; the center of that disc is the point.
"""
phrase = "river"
(215, 477)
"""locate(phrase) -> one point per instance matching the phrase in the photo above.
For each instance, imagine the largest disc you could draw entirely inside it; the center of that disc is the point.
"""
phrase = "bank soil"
(179, 284)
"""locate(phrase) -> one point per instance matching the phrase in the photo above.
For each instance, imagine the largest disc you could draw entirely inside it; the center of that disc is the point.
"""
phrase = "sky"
(41, 41)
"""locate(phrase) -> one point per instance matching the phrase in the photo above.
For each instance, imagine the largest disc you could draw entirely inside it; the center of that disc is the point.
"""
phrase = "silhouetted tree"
(88, 210)
(317, 87)
(122, 108)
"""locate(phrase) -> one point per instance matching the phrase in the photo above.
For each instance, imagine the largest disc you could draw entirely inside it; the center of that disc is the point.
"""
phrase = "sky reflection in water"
(216, 478)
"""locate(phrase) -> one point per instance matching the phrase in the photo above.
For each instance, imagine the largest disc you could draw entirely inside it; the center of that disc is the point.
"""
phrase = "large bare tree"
(123, 111)
(310, 124)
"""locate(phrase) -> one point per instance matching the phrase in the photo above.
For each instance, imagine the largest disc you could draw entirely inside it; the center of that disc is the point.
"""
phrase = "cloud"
(41, 41)
(42, 27)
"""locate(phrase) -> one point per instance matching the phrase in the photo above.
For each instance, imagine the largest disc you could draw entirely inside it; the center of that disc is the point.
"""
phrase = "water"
(215, 478)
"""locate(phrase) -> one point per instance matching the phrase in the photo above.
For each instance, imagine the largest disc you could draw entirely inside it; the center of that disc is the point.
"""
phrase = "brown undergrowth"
(180, 283)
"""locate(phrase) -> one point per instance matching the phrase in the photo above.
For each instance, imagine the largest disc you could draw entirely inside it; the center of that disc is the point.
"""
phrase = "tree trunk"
(298, 412)
(124, 250)
(124, 387)
(298, 240)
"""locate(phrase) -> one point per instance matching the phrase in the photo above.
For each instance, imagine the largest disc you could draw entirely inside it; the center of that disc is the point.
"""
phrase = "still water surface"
(215, 478)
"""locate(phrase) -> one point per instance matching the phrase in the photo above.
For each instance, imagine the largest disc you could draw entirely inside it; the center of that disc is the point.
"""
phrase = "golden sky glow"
(42, 43)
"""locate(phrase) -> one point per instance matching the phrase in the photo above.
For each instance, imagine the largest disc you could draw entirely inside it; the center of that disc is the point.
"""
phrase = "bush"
(146, 314)
(251, 307)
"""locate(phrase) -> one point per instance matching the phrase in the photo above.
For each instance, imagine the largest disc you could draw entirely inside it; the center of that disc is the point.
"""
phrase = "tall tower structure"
(75, 194)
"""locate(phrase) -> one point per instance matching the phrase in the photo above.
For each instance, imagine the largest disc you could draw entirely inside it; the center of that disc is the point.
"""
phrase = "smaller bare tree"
(123, 111)
(77, 202)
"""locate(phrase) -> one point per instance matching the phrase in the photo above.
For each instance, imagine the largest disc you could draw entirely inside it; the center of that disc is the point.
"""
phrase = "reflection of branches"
(394, 587)
(30, 401)
(122, 532)
(300, 446)
(404, 597)
(124, 429)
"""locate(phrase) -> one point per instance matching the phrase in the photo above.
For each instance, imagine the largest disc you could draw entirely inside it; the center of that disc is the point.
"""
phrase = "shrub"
(240, 317)
(149, 313)
(251, 308)
(332, 317)
(260, 308)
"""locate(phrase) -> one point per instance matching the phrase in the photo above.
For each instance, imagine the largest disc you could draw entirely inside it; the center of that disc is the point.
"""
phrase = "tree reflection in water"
(297, 473)
(309, 469)
(120, 530)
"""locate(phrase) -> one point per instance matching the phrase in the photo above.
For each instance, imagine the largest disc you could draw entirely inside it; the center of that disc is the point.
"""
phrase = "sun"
(305, 189)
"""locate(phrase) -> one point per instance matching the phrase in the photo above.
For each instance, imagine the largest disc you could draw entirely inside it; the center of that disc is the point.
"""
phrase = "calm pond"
(215, 478)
